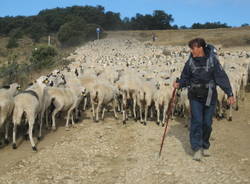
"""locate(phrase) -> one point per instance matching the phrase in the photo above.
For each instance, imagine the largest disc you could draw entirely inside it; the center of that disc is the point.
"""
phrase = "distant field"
(226, 37)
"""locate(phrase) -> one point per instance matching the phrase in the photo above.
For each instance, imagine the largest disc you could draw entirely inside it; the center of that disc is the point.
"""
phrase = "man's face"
(196, 51)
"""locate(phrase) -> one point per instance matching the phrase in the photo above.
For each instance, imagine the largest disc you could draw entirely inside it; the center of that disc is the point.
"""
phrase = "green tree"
(209, 25)
(37, 30)
(73, 33)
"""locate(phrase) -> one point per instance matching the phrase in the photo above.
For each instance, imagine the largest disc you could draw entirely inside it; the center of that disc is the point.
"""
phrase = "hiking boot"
(197, 155)
(205, 152)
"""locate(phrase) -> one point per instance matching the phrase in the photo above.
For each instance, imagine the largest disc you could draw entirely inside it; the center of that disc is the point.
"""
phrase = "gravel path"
(110, 152)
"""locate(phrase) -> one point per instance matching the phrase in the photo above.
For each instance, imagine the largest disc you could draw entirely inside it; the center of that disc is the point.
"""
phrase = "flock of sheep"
(127, 76)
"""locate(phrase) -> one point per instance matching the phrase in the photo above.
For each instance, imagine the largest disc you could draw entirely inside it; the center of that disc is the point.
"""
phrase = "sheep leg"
(14, 136)
(151, 113)
(220, 111)
(93, 111)
(124, 108)
(31, 124)
(119, 109)
(124, 114)
(145, 115)
(97, 112)
(40, 127)
(6, 133)
(134, 107)
(121, 106)
(17, 115)
(164, 115)
(141, 113)
(85, 103)
(103, 112)
(114, 108)
(76, 113)
(158, 114)
(68, 117)
(72, 120)
(47, 119)
(53, 118)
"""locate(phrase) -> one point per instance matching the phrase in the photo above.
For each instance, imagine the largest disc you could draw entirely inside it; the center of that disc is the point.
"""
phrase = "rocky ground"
(110, 152)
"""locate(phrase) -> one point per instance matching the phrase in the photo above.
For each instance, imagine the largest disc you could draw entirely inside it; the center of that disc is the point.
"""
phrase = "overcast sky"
(185, 12)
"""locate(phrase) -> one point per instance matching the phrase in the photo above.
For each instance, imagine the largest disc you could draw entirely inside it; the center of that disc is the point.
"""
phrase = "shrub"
(12, 43)
(43, 57)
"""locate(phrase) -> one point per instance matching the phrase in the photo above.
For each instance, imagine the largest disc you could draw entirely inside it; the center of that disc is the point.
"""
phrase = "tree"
(159, 20)
(183, 27)
(73, 33)
(209, 25)
(112, 20)
(245, 25)
(37, 30)
(162, 20)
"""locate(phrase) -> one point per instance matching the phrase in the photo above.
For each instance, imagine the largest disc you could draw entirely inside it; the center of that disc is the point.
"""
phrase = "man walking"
(201, 73)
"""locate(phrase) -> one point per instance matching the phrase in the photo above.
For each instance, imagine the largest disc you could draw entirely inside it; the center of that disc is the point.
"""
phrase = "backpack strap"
(192, 65)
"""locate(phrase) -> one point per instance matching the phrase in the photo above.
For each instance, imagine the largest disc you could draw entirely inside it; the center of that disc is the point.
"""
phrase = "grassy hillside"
(22, 54)
(227, 37)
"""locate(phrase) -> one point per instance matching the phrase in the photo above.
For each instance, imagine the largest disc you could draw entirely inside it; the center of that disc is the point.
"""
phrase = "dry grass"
(22, 55)
(226, 37)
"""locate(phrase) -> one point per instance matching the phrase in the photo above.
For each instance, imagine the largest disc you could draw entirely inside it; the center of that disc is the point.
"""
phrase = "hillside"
(226, 37)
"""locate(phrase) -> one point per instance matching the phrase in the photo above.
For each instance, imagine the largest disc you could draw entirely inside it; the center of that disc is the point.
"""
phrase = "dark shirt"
(216, 73)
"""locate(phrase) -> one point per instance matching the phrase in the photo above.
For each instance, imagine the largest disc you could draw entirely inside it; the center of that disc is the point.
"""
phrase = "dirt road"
(109, 152)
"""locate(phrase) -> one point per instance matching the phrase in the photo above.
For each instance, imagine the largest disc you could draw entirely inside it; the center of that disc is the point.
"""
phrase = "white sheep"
(102, 94)
(7, 105)
(30, 103)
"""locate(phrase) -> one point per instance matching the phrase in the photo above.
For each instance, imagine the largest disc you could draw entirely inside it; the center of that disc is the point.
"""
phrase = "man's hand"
(231, 100)
(176, 85)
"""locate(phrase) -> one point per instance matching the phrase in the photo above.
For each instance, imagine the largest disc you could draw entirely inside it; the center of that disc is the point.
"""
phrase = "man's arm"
(184, 80)
(221, 78)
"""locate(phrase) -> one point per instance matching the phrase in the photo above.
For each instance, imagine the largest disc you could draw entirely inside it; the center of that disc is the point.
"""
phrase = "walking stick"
(169, 110)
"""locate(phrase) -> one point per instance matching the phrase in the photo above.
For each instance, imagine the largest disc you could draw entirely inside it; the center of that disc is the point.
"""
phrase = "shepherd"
(201, 74)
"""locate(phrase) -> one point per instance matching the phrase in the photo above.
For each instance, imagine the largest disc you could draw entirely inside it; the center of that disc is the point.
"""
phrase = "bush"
(12, 43)
(43, 57)
(73, 33)
(9, 73)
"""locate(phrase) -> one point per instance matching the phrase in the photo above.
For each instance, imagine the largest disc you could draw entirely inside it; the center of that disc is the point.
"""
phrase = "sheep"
(33, 95)
(88, 81)
(145, 98)
(161, 100)
(109, 74)
(7, 94)
(64, 99)
(128, 85)
(56, 80)
(182, 104)
(102, 94)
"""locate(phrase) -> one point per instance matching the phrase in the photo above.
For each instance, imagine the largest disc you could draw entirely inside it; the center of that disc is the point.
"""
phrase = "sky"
(184, 12)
